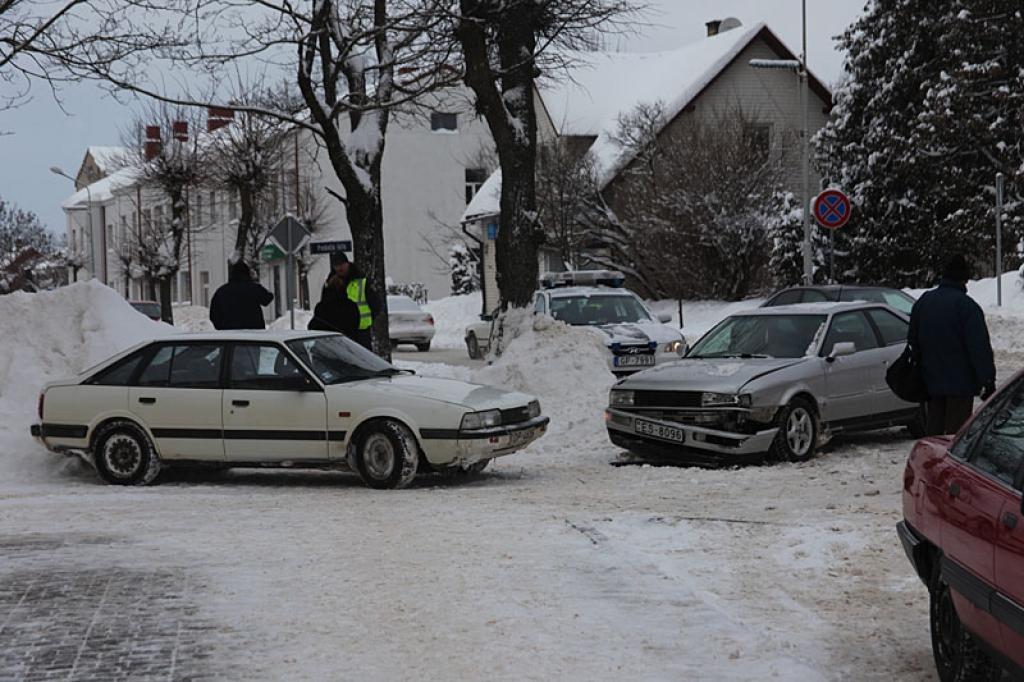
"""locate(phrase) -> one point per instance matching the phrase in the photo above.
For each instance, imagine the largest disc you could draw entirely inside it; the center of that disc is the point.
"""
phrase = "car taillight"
(42, 397)
(430, 320)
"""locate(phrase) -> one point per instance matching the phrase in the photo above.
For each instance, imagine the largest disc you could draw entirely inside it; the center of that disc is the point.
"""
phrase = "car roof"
(825, 308)
(588, 291)
(838, 287)
(274, 335)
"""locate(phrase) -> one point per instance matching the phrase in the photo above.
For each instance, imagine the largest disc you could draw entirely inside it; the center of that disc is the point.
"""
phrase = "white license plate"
(517, 438)
(655, 430)
(634, 361)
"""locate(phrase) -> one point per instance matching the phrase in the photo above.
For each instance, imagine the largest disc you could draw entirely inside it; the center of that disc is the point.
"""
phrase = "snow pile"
(54, 335)
(284, 323)
(566, 368)
(451, 317)
(192, 318)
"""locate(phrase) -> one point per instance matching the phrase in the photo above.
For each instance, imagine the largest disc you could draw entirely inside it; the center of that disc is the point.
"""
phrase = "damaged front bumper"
(661, 438)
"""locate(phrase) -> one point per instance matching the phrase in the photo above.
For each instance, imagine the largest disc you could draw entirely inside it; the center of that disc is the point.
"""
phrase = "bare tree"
(172, 160)
(24, 244)
(567, 184)
(506, 46)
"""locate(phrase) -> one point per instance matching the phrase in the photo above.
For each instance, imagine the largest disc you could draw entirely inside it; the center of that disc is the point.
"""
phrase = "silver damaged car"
(771, 381)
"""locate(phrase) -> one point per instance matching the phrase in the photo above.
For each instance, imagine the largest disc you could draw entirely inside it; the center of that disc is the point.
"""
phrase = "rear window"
(402, 304)
(184, 366)
(120, 373)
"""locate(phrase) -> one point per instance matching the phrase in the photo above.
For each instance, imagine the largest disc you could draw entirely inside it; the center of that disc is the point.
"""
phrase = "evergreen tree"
(464, 270)
(931, 98)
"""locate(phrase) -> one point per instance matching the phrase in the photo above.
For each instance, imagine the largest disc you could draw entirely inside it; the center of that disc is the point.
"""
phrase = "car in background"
(278, 398)
(636, 337)
(894, 298)
(963, 531)
(769, 381)
(409, 323)
(150, 309)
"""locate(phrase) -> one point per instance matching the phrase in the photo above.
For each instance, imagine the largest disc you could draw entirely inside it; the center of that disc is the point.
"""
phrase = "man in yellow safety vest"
(358, 292)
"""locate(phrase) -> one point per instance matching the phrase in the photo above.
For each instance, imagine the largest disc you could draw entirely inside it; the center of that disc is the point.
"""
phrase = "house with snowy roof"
(698, 81)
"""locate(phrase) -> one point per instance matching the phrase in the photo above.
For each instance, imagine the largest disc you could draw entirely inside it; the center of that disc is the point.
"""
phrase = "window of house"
(197, 217)
(444, 121)
(759, 137)
(475, 178)
(158, 217)
(147, 218)
(123, 236)
(204, 287)
(110, 238)
(186, 286)
(213, 208)
(232, 206)
(174, 288)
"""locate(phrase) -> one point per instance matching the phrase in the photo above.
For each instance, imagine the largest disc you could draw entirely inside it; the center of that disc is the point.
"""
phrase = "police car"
(637, 338)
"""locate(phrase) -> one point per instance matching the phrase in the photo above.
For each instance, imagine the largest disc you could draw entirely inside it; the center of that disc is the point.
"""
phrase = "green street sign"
(271, 252)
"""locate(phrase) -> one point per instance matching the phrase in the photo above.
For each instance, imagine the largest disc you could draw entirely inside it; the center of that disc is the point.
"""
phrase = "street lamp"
(57, 170)
(799, 66)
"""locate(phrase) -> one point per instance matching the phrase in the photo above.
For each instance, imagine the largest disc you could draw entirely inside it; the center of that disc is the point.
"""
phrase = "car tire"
(123, 454)
(958, 657)
(918, 426)
(797, 439)
(473, 346)
(386, 455)
(423, 347)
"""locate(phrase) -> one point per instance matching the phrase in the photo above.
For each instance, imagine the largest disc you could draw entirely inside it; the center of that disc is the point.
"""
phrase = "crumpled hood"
(472, 396)
(725, 375)
(639, 332)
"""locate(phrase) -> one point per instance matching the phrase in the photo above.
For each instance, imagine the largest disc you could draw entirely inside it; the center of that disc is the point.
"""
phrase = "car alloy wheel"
(379, 455)
(122, 456)
(800, 431)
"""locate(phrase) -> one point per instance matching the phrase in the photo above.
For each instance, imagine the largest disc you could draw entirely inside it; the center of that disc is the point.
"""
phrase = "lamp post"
(56, 170)
(799, 66)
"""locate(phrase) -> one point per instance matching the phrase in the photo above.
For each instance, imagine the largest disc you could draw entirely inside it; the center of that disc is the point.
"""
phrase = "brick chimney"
(153, 142)
(179, 129)
(218, 118)
(713, 27)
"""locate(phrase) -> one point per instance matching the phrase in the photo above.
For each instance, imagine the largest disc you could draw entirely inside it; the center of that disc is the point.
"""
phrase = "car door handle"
(147, 401)
(240, 403)
(1010, 520)
(954, 490)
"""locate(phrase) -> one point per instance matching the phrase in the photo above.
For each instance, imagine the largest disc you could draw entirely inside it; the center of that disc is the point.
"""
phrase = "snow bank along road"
(551, 565)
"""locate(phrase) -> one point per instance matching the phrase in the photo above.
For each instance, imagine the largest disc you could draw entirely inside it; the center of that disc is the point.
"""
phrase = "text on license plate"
(655, 430)
(517, 438)
(634, 361)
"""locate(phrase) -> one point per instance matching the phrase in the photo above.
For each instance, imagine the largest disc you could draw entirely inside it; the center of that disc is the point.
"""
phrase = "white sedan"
(297, 399)
(409, 323)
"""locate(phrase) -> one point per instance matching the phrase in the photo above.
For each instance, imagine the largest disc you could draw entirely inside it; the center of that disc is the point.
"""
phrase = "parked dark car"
(963, 531)
(894, 298)
(150, 309)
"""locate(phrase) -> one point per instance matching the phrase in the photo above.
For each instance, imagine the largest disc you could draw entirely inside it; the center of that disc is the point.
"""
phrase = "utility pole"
(804, 103)
(1000, 188)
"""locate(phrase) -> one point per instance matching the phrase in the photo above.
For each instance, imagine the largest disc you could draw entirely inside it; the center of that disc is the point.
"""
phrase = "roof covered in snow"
(487, 200)
(109, 159)
(102, 190)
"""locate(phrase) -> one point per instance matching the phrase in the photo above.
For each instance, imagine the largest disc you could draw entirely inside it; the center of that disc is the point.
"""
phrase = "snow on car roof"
(588, 291)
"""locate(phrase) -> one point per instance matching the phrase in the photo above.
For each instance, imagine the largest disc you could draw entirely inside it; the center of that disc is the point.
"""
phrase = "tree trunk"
(366, 222)
(518, 234)
(245, 200)
(166, 312)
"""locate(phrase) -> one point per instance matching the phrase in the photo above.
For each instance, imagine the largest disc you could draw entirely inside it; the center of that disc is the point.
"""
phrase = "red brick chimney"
(218, 118)
(153, 142)
(180, 130)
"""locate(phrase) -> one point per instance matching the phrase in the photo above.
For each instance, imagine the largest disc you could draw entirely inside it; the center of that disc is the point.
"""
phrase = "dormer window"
(445, 122)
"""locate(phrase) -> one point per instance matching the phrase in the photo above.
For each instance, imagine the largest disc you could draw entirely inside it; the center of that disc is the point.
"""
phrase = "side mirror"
(840, 349)
(664, 318)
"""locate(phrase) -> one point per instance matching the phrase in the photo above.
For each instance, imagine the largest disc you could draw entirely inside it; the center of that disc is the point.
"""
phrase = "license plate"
(655, 430)
(634, 361)
(517, 438)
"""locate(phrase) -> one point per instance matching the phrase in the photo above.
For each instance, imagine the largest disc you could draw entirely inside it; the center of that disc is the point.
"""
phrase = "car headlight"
(481, 420)
(725, 400)
(621, 399)
(533, 409)
(677, 347)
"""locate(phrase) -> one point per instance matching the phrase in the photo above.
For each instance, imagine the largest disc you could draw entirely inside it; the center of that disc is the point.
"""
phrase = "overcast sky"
(42, 135)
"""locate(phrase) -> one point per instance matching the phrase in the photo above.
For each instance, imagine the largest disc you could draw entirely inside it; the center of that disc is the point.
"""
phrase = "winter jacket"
(335, 313)
(237, 304)
(373, 299)
(948, 330)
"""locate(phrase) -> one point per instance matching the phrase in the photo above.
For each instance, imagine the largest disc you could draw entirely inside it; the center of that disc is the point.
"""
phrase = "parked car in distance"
(150, 309)
(296, 398)
(963, 531)
(769, 381)
(636, 337)
(409, 323)
(894, 298)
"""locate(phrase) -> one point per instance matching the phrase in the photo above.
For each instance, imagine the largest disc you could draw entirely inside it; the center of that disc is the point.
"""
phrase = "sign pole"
(1000, 184)
(290, 271)
(832, 257)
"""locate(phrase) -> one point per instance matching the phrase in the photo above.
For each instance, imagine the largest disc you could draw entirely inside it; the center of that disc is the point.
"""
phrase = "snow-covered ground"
(551, 565)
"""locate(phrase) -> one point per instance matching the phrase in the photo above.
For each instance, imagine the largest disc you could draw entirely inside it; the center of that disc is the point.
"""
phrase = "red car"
(150, 309)
(963, 530)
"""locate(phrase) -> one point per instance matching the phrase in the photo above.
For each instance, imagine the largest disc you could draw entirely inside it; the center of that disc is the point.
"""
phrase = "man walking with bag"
(948, 331)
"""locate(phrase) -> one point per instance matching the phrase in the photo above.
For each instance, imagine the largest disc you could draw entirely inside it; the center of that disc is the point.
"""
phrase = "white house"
(430, 171)
(698, 80)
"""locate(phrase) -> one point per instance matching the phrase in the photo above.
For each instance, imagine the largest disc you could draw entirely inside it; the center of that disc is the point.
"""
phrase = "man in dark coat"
(237, 304)
(948, 331)
(356, 289)
(335, 312)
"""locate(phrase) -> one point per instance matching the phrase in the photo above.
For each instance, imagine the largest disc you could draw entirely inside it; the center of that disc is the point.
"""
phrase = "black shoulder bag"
(906, 378)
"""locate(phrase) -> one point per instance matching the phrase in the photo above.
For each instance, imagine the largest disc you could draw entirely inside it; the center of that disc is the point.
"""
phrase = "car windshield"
(335, 359)
(148, 309)
(402, 304)
(598, 309)
(761, 336)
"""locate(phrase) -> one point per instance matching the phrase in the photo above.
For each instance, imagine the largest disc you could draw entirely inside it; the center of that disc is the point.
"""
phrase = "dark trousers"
(947, 413)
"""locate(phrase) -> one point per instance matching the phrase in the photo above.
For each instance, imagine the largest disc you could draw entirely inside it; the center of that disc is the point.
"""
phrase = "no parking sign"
(832, 209)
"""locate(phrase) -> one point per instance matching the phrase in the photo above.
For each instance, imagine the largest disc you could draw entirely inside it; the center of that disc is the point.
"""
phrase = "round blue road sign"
(832, 209)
